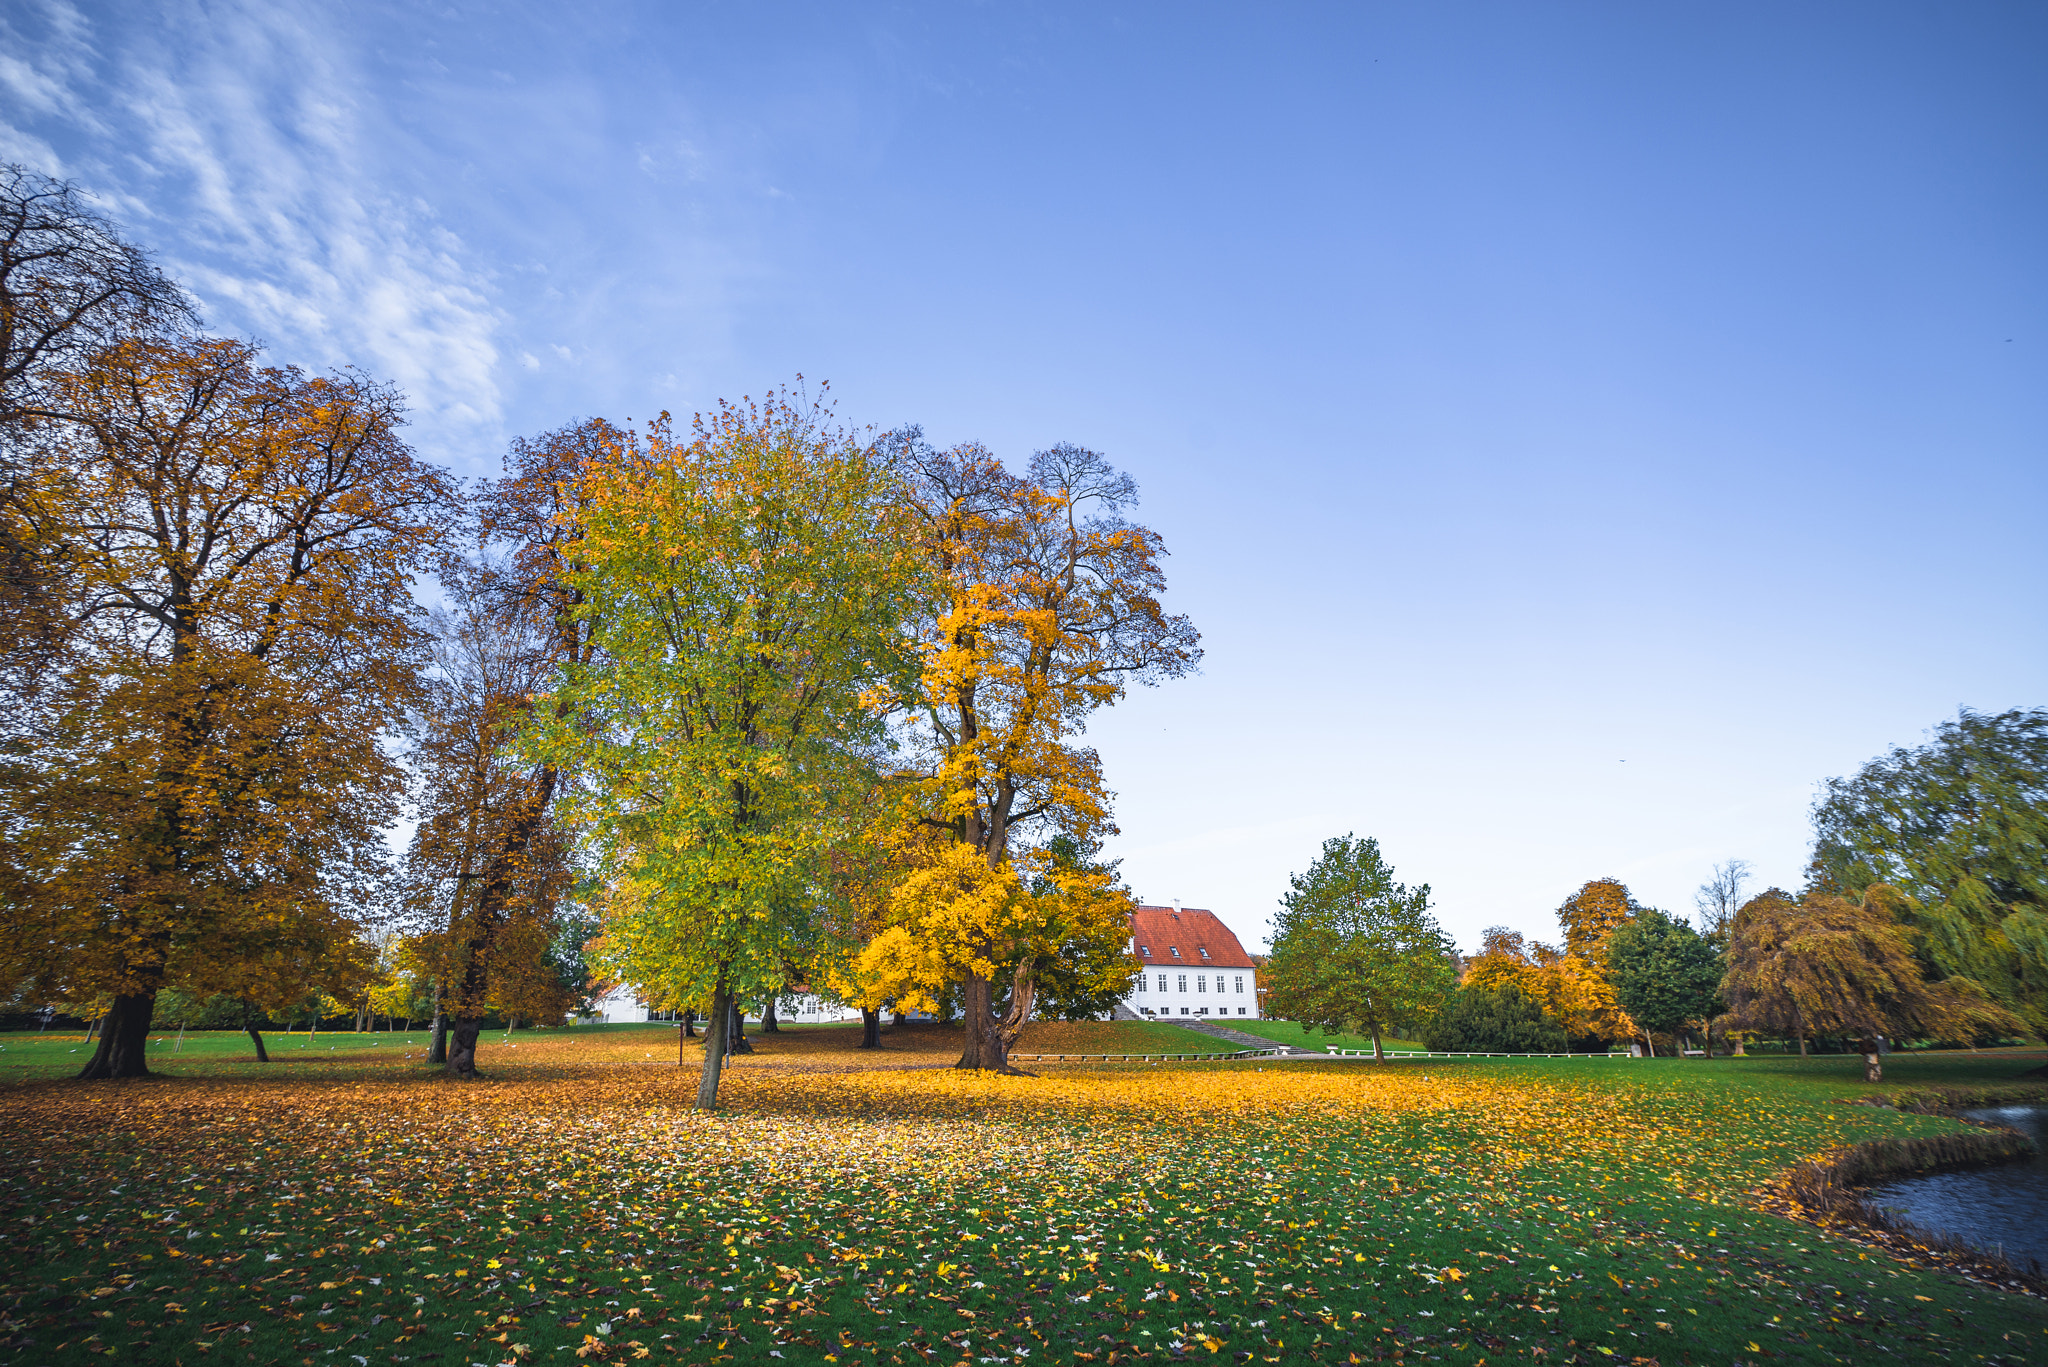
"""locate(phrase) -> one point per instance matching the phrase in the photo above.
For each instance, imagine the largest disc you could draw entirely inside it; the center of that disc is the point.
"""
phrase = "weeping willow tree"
(1833, 965)
(1959, 829)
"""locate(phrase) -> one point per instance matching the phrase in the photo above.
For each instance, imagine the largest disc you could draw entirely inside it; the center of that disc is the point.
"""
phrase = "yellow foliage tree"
(1044, 606)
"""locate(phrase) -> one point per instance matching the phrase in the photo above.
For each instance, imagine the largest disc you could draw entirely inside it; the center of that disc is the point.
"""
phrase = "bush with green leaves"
(1494, 1020)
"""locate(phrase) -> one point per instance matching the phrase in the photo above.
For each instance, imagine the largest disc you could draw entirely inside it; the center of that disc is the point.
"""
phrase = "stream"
(2002, 1209)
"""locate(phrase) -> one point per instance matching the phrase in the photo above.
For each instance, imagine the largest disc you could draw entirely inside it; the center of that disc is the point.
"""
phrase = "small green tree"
(1353, 946)
(1665, 973)
(1488, 1020)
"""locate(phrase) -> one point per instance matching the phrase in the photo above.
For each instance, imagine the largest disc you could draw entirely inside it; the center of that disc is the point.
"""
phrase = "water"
(2005, 1207)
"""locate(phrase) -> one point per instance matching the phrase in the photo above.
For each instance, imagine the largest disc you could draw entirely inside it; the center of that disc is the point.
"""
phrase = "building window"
(1145, 950)
(1240, 984)
(1201, 983)
(1174, 950)
(1240, 1010)
(1183, 982)
(1162, 982)
(1204, 953)
(1141, 982)
(1183, 1010)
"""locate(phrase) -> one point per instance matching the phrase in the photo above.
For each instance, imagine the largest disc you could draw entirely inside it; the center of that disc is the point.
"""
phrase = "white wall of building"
(1169, 991)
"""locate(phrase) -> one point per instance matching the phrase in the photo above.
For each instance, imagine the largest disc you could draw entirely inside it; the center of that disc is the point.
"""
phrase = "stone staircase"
(1236, 1039)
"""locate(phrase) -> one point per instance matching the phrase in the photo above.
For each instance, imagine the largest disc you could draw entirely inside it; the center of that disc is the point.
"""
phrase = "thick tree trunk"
(870, 1029)
(1735, 1051)
(462, 1047)
(124, 1039)
(437, 1052)
(900, 1020)
(1379, 1054)
(262, 1054)
(689, 1025)
(736, 1027)
(981, 1050)
(715, 1041)
(768, 1025)
(989, 1037)
(1873, 1064)
(1802, 1046)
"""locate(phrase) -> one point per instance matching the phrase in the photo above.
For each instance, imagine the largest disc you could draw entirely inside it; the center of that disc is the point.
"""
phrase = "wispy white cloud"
(235, 142)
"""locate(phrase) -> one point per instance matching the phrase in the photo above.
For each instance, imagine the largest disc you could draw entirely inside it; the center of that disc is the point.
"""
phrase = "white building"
(1192, 966)
(625, 1003)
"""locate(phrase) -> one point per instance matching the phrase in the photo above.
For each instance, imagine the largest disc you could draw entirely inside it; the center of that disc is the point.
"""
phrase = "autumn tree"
(1836, 965)
(1664, 972)
(1043, 606)
(1090, 967)
(489, 868)
(504, 877)
(1958, 829)
(201, 792)
(745, 591)
(70, 287)
(1354, 947)
(1574, 994)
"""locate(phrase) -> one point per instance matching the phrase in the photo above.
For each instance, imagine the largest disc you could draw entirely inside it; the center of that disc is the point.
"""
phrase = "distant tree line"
(1924, 916)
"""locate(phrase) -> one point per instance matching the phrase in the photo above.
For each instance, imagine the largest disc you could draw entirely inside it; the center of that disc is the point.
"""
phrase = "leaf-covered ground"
(847, 1208)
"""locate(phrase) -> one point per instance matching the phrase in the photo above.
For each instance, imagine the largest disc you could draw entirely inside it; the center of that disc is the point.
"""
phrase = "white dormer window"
(1205, 953)
(1174, 950)
(1145, 950)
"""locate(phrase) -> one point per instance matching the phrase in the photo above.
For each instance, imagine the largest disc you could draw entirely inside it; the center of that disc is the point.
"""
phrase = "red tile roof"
(1190, 930)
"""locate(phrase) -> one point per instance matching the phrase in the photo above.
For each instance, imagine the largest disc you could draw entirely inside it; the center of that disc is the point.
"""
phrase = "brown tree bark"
(768, 1025)
(462, 1047)
(689, 1025)
(1873, 1062)
(124, 1039)
(736, 1027)
(262, 1054)
(714, 1049)
(870, 1029)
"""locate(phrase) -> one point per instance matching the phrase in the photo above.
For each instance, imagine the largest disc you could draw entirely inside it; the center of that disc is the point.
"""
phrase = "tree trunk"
(870, 1029)
(124, 1039)
(1802, 1046)
(980, 1050)
(179, 1047)
(714, 1049)
(1735, 1041)
(1379, 1053)
(437, 1052)
(768, 1025)
(1649, 1045)
(462, 1046)
(900, 1020)
(1873, 1065)
(736, 1027)
(689, 1025)
(262, 1054)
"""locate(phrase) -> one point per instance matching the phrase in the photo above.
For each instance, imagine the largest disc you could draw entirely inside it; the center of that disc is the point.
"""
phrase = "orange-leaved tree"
(1044, 605)
(202, 793)
(1839, 965)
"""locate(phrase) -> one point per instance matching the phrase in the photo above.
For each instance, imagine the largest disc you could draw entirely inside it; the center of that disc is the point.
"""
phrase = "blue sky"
(1579, 429)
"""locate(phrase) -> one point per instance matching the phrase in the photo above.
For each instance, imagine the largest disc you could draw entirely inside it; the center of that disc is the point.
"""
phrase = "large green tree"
(1353, 946)
(745, 590)
(1959, 828)
(1665, 973)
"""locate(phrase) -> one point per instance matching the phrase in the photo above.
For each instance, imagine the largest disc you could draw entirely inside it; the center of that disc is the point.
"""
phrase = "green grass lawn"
(351, 1206)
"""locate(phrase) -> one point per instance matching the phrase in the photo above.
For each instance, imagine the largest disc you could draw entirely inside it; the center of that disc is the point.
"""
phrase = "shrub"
(1494, 1020)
